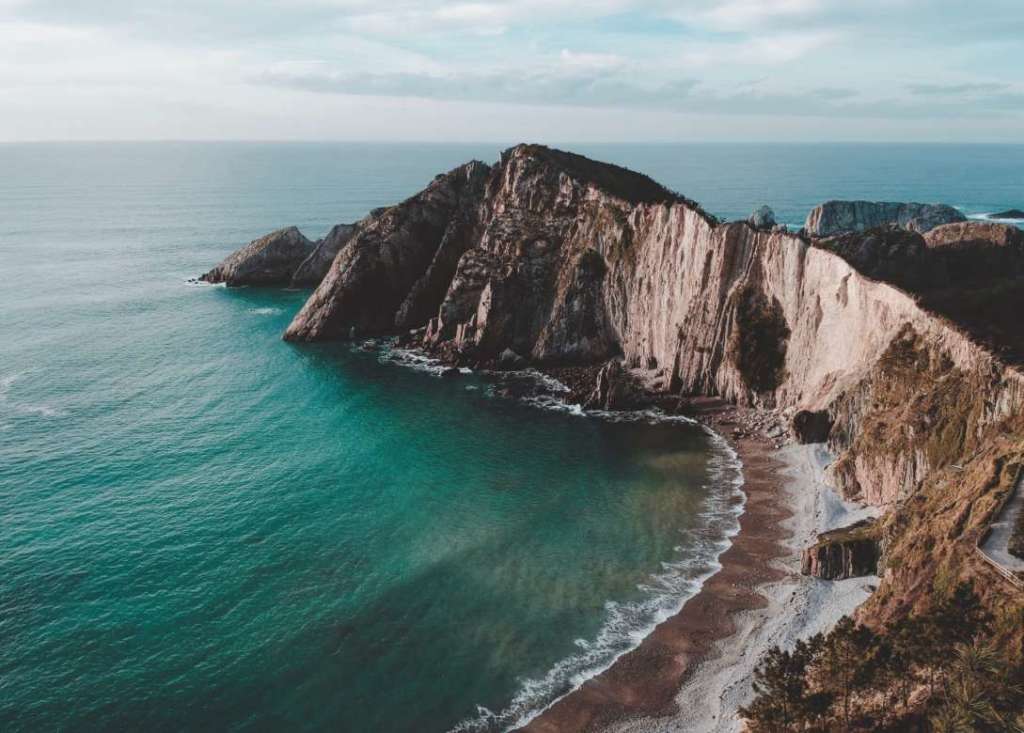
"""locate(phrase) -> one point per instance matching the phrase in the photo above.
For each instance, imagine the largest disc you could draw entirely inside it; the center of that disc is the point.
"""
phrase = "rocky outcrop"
(269, 260)
(842, 217)
(811, 426)
(614, 389)
(1008, 214)
(850, 552)
(762, 218)
(312, 270)
(394, 264)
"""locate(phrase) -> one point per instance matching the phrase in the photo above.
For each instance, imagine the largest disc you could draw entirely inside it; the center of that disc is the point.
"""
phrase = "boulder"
(811, 427)
(614, 389)
(762, 218)
(850, 552)
(842, 217)
(269, 260)
(1008, 214)
(511, 360)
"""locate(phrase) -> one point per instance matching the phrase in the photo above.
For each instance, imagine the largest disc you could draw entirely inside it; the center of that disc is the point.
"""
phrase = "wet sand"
(645, 682)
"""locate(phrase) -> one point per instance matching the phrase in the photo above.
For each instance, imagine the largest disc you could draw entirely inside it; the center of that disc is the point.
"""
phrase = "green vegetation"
(938, 671)
(757, 345)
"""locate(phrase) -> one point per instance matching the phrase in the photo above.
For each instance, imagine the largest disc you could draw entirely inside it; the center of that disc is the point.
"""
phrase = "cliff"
(897, 348)
(842, 217)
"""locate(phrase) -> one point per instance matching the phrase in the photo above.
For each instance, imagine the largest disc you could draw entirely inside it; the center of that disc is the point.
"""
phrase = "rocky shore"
(887, 331)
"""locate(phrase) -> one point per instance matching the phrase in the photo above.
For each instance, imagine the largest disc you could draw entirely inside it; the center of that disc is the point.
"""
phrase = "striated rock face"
(392, 272)
(312, 270)
(269, 260)
(842, 217)
(850, 552)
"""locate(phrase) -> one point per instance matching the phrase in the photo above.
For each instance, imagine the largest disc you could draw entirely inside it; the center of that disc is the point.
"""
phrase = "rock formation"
(850, 552)
(1008, 214)
(762, 218)
(898, 348)
(392, 273)
(269, 260)
(312, 270)
(842, 217)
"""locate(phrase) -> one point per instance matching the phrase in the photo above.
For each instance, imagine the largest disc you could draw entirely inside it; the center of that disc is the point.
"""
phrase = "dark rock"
(811, 427)
(269, 260)
(393, 250)
(615, 389)
(1008, 214)
(450, 372)
(850, 552)
(311, 271)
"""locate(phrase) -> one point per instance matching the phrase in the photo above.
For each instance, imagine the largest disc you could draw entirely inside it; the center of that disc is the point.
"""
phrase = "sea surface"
(203, 527)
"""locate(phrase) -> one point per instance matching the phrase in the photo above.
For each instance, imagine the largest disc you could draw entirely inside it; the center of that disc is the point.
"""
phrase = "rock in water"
(392, 258)
(842, 217)
(312, 270)
(269, 260)
(762, 218)
(1008, 214)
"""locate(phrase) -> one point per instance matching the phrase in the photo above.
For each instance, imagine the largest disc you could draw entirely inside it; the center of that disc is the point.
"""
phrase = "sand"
(694, 671)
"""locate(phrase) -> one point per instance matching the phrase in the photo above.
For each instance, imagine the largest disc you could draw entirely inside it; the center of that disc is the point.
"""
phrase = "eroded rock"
(842, 217)
(850, 552)
(269, 260)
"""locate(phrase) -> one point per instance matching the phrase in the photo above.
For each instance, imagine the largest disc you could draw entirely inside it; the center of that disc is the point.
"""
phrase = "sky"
(511, 70)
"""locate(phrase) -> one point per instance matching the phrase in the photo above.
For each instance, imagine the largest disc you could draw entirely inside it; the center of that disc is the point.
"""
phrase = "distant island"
(888, 333)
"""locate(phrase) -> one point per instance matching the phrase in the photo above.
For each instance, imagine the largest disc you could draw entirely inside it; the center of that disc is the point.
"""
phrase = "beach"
(694, 671)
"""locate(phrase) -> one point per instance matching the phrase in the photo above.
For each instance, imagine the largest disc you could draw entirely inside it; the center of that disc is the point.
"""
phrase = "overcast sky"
(510, 70)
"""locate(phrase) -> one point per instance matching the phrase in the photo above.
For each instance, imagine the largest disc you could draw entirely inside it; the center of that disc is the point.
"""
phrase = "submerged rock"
(1008, 214)
(842, 217)
(850, 552)
(269, 260)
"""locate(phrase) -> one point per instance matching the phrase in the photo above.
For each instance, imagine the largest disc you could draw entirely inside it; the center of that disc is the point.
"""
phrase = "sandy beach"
(694, 671)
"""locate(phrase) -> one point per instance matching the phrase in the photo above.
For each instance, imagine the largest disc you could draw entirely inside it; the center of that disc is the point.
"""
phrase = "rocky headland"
(889, 332)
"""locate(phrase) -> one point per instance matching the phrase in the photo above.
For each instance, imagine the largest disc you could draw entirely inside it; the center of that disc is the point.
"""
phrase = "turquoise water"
(207, 528)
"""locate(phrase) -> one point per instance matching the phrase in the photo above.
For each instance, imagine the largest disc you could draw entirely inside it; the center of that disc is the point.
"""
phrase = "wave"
(626, 625)
(266, 311)
(196, 282)
(42, 410)
(995, 220)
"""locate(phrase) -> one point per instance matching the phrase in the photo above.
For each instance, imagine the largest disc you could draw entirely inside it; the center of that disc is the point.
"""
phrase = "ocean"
(207, 528)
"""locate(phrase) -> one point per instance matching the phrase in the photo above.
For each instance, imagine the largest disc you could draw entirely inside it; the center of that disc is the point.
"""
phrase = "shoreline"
(690, 673)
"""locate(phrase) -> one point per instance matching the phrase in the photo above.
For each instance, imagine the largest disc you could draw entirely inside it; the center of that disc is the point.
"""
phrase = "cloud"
(968, 88)
(866, 60)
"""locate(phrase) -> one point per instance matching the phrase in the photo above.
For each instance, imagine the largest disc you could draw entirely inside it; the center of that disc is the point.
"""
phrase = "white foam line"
(627, 625)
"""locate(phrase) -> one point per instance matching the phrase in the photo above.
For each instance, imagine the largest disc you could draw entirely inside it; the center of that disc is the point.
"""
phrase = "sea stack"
(843, 217)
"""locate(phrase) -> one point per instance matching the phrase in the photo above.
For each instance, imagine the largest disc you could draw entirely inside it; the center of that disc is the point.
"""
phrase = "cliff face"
(841, 217)
(391, 271)
(892, 344)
